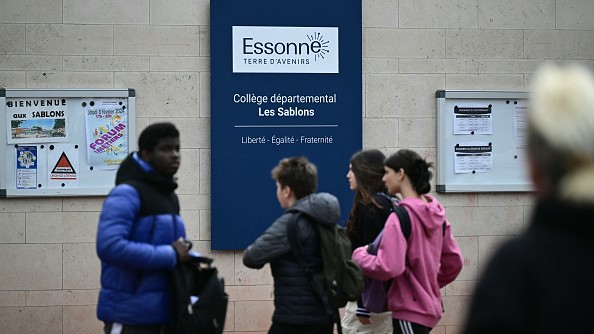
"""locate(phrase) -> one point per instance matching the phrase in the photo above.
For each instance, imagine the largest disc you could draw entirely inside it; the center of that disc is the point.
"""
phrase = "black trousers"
(138, 329)
(277, 328)
(407, 327)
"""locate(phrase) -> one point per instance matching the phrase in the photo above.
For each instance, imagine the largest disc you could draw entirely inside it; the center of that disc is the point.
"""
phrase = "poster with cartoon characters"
(26, 167)
(106, 122)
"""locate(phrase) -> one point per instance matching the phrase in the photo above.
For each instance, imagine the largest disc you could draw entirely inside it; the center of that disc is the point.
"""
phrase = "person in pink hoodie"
(422, 264)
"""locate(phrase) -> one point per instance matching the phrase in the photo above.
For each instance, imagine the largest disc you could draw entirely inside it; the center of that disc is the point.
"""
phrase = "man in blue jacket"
(140, 237)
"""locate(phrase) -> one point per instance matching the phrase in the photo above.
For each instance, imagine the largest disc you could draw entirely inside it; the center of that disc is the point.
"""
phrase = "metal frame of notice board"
(64, 142)
(480, 141)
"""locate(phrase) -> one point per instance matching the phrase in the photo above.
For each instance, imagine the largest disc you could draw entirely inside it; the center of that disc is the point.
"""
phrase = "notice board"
(64, 142)
(481, 141)
(285, 81)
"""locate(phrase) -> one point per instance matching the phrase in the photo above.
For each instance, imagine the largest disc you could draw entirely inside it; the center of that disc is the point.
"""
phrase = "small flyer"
(63, 166)
(106, 122)
(472, 119)
(26, 167)
(475, 157)
(520, 128)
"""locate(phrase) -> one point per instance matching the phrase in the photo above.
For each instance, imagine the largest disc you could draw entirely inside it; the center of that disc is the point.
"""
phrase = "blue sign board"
(285, 81)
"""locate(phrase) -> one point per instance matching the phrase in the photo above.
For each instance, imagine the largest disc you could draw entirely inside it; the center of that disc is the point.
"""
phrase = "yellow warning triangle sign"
(63, 165)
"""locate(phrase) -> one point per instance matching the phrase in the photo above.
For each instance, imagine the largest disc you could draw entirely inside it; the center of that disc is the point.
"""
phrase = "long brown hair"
(368, 169)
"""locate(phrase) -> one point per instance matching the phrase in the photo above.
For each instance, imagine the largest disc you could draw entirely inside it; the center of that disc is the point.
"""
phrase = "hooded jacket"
(428, 261)
(138, 223)
(294, 300)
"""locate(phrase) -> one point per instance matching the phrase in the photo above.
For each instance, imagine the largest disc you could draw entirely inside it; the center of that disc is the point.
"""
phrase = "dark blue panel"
(244, 200)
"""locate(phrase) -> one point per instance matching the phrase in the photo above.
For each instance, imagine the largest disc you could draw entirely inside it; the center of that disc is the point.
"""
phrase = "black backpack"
(341, 279)
(199, 298)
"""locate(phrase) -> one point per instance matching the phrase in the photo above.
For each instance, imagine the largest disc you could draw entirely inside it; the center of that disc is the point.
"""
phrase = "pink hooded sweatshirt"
(428, 261)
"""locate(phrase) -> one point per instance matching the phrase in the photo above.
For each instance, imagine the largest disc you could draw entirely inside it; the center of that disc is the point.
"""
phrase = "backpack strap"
(392, 199)
(404, 219)
(314, 278)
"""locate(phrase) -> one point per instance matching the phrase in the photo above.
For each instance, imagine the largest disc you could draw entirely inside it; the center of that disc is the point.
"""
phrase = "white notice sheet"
(520, 132)
(473, 157)
(473, 120)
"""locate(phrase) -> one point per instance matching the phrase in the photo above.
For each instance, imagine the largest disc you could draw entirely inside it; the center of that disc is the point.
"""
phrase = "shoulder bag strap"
(404, 218)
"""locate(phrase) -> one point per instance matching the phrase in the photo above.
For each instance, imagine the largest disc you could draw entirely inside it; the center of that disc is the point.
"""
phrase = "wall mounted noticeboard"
(480, 141)
(64, 142)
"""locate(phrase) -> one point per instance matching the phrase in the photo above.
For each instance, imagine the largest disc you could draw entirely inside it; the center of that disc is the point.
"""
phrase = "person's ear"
(287, 191)
(145, 155)
(400, 174)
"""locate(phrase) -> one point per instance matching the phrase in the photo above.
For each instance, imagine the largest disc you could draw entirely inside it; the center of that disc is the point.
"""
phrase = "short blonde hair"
(561, 129)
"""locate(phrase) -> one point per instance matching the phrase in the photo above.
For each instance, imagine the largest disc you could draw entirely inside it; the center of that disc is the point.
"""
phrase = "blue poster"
(286, 80)
(26, 167)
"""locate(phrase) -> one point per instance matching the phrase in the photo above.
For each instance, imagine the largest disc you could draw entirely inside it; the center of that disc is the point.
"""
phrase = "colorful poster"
(106, 124)
(63, 166)
(36, 120)
(26, 167)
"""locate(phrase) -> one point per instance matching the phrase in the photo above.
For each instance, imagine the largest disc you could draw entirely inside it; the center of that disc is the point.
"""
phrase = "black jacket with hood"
(294, 300)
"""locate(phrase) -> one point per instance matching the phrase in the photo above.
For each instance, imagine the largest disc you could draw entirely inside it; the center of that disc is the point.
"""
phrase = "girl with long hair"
(371, 207)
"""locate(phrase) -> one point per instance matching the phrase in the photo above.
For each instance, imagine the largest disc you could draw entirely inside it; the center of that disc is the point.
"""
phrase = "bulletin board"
(481, 141)
(64, 142)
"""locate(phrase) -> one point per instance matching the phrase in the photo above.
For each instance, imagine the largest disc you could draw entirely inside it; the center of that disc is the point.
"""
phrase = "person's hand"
(364, 320)
(181, 250)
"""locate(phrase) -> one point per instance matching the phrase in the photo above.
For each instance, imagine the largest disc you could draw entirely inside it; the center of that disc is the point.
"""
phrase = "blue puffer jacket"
(139, 221)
